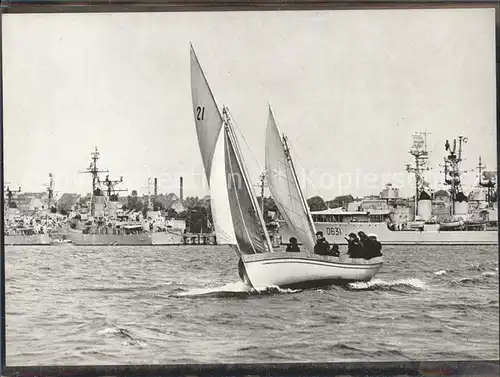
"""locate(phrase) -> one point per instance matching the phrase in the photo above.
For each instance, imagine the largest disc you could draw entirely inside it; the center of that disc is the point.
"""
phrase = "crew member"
(241, 269)
(322, 246)
(354, 246)
(366, 245)
(292, 246)
(376, 246)
(334, 251)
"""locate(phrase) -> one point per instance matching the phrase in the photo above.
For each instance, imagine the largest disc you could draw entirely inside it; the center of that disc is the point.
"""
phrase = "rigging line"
(246, 178)
(308, 179)
(229, 145)
(233, 121)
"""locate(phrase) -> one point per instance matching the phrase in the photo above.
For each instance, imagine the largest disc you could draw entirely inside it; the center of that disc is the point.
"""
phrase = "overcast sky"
(349, 88)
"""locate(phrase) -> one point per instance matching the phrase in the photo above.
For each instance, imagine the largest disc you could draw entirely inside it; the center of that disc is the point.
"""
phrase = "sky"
(348, 88)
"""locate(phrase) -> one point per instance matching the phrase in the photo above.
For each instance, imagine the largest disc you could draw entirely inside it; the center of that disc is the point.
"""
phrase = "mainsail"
(249, 226)
(206, 114)
(285, 188)
(208, 122)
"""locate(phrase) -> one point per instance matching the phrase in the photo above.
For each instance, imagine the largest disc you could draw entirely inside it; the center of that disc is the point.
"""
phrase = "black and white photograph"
(250, 186)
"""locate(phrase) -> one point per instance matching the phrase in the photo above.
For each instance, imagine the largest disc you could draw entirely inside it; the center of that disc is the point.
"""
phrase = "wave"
(237, 289)
(440, 272)
(395, 285)
(475, 279)
(489, 273)
(231, 289)
(121, 333)
(477, 267)
(275, 289)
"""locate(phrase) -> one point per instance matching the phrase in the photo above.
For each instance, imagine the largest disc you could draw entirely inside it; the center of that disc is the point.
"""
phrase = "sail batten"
(285, 188)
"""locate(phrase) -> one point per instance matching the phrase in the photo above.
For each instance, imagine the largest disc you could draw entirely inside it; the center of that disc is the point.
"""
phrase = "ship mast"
(452, 169)
(487, 183)
(150, 197)
(262, 185)
(420, 153)
(10, 194)
(111, 187)
(94, 170)
(112, 191)
(50, 190)
(480, 168)
(151, 203)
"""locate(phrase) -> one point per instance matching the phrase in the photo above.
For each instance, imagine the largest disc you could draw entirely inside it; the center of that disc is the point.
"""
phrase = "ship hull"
(110, 239)
(335, 233)
(36, 239)
(302, 270)
(161, 238)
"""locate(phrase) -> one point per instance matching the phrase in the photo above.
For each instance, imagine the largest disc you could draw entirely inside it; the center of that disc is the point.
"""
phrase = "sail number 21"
(200, 113)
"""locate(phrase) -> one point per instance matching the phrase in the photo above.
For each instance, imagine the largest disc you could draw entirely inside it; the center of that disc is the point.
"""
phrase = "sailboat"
(237, 215)
(304, 268)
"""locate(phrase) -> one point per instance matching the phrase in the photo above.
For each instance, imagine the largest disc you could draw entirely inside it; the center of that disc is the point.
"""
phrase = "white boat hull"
(335, 232)
(302, 270)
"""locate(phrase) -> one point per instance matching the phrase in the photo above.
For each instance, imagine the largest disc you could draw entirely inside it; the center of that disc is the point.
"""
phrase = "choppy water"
(142, 305)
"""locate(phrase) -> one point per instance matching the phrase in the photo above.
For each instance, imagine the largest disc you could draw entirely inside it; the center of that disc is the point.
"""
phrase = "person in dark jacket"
(322, 246)
(366, 245)
(241, 269)
(292, 246)
(376, 249)
(334, 251)
(354, 246)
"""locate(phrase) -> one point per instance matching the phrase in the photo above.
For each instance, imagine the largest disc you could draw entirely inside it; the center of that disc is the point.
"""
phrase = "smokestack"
(182, 188)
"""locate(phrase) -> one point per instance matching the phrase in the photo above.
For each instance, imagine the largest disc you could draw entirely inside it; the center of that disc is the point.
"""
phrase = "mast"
(452, 169)
(420, 153)
(262, 185)
(150, 197)
(480, 168)
(111, 186)
(94, 170)
(50, 190)
(488, 183)
(255, 204)
(10, 194)
(296, 181)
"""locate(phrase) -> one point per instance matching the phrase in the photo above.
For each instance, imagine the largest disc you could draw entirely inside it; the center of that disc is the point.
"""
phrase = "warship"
(107, 224)
(455, 219)
(33, 227)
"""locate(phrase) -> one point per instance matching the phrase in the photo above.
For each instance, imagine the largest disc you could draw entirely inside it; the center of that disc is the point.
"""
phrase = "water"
(140, 305)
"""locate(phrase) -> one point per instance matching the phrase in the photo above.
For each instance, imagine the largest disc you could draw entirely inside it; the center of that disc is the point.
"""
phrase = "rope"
(245, 140)
(305, 169)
